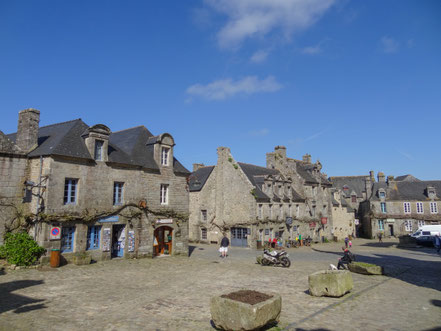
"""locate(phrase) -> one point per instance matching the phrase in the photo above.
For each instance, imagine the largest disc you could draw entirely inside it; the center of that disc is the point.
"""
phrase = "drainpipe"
(38, 198)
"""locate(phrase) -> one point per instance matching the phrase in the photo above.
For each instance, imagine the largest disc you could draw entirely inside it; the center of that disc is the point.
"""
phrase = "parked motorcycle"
(276, 258)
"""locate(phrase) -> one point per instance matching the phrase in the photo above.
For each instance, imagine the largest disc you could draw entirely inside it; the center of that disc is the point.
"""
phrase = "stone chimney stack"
(281, 150)
(307, 158)
(27, 132)
(368, 186)
(197, 166)
(390, 180)
(381, 177)
(372, 175)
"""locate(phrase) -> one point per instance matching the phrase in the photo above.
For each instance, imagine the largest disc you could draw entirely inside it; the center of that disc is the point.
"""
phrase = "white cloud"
(312, 50)
(257, 18)
(259, 56)
(226, 88)
(259, 133)
(389, 45)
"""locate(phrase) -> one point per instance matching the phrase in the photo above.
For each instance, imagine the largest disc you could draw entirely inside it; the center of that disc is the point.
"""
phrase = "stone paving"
(173, 293)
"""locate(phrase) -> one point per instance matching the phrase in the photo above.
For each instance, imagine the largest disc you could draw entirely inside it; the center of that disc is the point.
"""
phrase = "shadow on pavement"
(414, 271)
(380, 244)
(16, 302)
(436, 303)
(190, 250)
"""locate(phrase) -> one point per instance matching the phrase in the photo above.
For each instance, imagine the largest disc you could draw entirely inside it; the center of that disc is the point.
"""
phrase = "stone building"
(253, 204)
(95, 192)
(399, 206)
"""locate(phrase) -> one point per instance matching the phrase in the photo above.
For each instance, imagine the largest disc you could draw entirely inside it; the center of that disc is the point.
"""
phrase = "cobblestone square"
(173, 293)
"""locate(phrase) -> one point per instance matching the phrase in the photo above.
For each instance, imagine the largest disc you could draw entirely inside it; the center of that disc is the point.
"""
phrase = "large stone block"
(366, 268)
(229, 314)
(330, 283)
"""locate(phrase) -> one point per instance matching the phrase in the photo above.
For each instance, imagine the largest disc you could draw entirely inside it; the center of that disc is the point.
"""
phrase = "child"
(350, 244)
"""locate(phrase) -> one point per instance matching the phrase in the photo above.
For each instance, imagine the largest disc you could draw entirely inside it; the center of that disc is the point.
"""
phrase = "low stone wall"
(366, 268)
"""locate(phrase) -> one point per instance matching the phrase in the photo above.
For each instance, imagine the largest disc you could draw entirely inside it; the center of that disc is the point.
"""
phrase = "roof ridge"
(135, 127)
(46, 126)
(349, 176)
(257, 166)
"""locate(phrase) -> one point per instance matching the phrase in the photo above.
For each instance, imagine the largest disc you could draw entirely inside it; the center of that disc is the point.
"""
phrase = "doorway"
(239, 237)
(391, 230)
(163, 241)
(118, 240)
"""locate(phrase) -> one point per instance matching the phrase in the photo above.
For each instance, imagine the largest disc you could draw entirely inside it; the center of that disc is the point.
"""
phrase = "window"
(421, 223)
(270, 211)
(383, 207)
(419, 206)
(267, 232)
(382, 194)
(289, 210)
(281, 211)
(380, 224)
(165, 151)
(313, 211)
(203, 233)
(314, 190)
(354, 198)
(99, 150)
(260, 211)
(67, 239)
(70, 191)
(433, 207)
(408, 225)
(117, 193)
(297, 210)
(93, 237)
(406, 207)
(204, 215)
(164, 194)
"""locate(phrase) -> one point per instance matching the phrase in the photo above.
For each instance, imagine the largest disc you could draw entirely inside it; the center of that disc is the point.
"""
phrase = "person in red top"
(274, 243)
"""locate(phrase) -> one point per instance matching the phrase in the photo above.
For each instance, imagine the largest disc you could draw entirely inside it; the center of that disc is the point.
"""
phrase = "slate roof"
(407, 191)
(354, 183)
(125, 147)
(198, 178)
(407, 178)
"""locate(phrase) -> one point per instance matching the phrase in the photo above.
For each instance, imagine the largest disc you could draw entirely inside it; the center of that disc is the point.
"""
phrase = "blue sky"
(356, 84)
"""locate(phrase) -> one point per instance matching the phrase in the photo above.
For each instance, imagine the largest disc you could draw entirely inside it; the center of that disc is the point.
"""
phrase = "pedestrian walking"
(225, 242)
(350, 244)
(346, 242)
(380, 236)
(437, 242)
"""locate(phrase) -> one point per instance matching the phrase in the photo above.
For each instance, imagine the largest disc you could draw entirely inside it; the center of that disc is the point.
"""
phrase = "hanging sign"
(55, 233)
(312, 225)
(164, 221)
(289, 220)
(324, 220)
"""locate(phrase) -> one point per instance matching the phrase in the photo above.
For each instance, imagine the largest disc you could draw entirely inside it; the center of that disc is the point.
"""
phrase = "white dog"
(332, 267)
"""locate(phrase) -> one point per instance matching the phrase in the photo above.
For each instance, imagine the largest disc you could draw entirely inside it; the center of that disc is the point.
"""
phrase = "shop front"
(163, 237)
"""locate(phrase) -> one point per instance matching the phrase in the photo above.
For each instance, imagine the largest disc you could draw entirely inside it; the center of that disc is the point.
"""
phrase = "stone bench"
(228, 314)
(330, 283)
(365, 268)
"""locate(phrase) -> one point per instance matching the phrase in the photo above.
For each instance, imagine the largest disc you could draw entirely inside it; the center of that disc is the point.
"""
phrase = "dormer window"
(431, 192)
(165, 152)
(98, 155)
(382, 194)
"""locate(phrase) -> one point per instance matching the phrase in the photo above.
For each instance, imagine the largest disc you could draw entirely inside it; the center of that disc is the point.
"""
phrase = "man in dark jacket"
(224, 246)
(347, 258)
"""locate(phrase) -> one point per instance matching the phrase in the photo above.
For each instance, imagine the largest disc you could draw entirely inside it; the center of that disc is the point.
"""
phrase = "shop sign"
(390, 220)
(106, 239)
(165, 221)
(289, 220)
(324, 220)
(55, 233)
(356, 221)
(312, 225)
(109, 219)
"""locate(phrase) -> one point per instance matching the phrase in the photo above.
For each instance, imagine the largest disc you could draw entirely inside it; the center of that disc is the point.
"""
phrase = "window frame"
(381, 225)
(407, 207)
(260, 211)
(419, 208)
(270, 211)
(72, 191)
(118, 189)
(433, 207)
(204, 233)
(95, 243)
(98, 150)
(68, 231)
(421, 223)
(204, 215)
(163, 194)
(165, 155)
(408, 225)
(383, 207)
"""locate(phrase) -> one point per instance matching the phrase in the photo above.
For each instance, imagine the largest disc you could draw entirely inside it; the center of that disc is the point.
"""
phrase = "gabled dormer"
(381, 194)
(431, 192)
(96, 139)
(163, 149)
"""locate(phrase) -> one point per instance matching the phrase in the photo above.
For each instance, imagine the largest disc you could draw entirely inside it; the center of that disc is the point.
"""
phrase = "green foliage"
(230, 159)
(235, 166)
(253, 193)
(21, 249)
(326, 240)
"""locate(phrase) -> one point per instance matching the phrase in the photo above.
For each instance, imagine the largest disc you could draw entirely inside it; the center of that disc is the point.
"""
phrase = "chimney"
(281, 150)
(307, 158)
(197, 166)
(371, 174)
(368, 186)
(27, 132)
(381, 177)
(390, 180)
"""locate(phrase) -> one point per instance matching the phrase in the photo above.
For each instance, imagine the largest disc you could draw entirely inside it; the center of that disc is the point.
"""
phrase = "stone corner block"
(366, 269)
(229, 314)
(330, 283)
